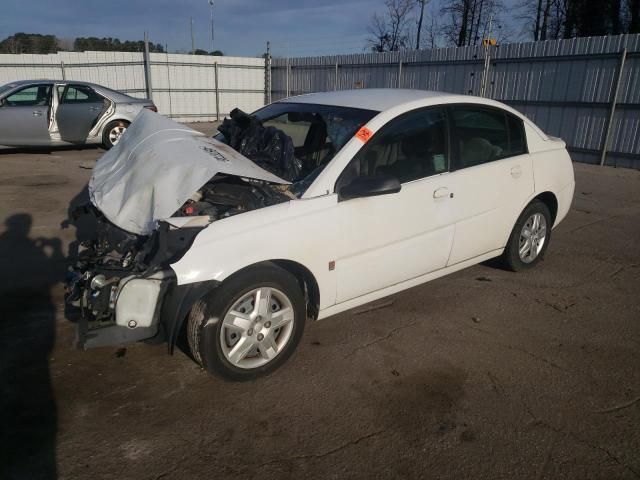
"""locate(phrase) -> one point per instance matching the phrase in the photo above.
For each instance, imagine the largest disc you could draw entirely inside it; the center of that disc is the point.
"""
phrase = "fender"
(176, 305)
(300, 231)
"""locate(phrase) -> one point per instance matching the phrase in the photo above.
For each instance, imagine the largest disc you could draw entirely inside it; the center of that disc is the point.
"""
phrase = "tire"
(112, 132)
(535, 245)
(215, 335)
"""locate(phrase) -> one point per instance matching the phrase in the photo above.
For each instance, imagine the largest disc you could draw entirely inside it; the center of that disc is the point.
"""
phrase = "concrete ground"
(482, 374)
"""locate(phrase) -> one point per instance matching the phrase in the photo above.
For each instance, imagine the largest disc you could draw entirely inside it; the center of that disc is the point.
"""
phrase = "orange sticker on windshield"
(364, 134)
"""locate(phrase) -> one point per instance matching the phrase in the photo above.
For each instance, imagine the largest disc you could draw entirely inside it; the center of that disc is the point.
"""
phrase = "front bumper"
(118, 309)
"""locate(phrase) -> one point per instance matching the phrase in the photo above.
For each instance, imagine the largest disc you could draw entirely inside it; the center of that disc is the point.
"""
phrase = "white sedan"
(311, 206)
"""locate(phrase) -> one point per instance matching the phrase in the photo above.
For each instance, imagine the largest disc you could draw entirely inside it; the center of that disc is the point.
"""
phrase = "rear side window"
(483, 135)
(517, 142)
(80, 94)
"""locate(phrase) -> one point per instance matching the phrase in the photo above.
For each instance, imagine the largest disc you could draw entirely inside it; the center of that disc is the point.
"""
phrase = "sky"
(242, 27)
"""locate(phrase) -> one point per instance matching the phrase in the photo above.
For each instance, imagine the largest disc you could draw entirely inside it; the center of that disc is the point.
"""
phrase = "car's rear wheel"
(112, 133)
(250, 325)
(530, 237)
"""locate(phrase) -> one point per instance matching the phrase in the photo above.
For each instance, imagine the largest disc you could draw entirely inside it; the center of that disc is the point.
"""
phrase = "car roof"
(378, 99)
(109, 92)
(399, 99)
(17, 83)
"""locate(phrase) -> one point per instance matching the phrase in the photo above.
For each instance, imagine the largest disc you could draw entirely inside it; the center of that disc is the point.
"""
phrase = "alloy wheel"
(532, 237)
(256, 329)
(115, 133)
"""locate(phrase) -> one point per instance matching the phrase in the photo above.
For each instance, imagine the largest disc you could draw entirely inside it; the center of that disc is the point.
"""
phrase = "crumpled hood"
(156, 167)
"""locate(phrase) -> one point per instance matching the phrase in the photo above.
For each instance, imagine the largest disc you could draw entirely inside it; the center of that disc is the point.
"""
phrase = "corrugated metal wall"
(184, 86)
(565, 86)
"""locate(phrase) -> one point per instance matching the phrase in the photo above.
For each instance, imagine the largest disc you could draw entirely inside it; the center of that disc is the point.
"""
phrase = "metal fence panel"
(184, 86)
(565, 86)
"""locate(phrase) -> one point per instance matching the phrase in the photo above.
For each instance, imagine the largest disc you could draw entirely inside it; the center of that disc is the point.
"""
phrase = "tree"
(633, 7)
(82, 44)
(421, 4)
(537, 17)
(390, 32)
(216, 53)
(552, 19)
(29, 43)
(468, 20)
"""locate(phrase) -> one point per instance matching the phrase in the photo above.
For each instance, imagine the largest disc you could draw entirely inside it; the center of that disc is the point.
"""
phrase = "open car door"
(24, 116)
(79, 109)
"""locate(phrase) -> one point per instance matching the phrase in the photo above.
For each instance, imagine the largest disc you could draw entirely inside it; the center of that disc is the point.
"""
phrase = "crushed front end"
(121, 288)
(117, 283)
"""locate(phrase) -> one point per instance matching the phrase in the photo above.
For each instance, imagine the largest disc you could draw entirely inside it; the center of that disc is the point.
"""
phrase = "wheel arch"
(305, 277)
(182, 298)
(109, 121)
(118, 119)
(308, 283)
(104, 129)
(551, 201)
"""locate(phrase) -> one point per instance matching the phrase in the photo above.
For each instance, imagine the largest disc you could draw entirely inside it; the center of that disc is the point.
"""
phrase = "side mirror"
(370, 187)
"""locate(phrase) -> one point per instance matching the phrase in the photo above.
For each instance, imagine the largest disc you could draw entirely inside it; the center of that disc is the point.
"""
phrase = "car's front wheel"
(250, 325)
(112, 133)
(530, 237)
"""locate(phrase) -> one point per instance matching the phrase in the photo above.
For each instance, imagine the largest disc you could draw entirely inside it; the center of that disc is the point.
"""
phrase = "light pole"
(211, 8)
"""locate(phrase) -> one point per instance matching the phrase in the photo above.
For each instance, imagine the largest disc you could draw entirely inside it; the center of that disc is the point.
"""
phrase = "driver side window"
(36, 95)
(410, 147)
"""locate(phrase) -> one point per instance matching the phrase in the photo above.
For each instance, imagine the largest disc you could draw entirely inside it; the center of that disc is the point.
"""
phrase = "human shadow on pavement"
(85, 225)
(28, 419)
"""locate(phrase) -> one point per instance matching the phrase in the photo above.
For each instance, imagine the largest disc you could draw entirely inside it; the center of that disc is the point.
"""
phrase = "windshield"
(316, 134)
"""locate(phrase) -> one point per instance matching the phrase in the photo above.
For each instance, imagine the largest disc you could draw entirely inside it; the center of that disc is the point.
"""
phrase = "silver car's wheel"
(529, 238)
(250, 324)
(532, 237)
(257, 328)
(115, 133)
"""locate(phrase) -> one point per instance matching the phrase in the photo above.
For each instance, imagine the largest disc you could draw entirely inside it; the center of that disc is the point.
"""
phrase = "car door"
(79, 108)
(387, 239)
(24, 116)
(492, 178)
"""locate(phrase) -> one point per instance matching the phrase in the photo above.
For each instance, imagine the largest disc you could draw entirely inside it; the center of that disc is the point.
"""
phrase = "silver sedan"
(53, 112)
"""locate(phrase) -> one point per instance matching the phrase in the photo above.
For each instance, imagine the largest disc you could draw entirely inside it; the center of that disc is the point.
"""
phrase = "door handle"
(516, 171)
(94, 109)
(37, 113)
(442, 192)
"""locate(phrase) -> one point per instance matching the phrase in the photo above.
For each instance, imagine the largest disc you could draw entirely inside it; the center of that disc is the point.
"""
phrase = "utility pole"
(267, 75)
(487, 61)
(211, 8)
(193, 41)
(147, 67)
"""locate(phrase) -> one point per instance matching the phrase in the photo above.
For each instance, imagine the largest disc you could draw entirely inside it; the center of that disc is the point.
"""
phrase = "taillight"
(153, 108)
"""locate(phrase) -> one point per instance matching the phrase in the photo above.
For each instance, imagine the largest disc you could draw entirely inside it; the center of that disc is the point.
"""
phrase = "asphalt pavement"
(481, 374)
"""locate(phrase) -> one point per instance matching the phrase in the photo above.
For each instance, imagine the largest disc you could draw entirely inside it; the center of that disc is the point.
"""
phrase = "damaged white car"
(311, 206)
